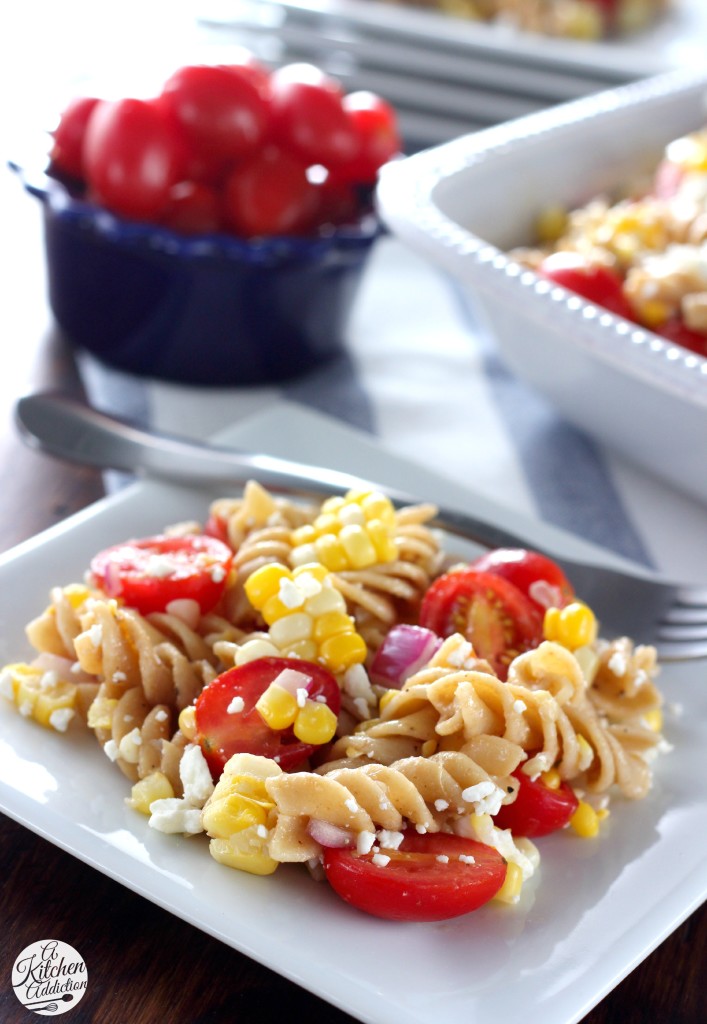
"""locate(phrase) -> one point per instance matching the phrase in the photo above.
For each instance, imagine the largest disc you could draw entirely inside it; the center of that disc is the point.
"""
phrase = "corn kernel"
(512, 885)
(251, 650)
(551, 779)
(315, 569)
(100, 713)
(291, 628)
(331, 624)
(264, 583)
(332, 505)
(653, 313)
(315, 723)
(331, 552)
(386, 699)
(277, 707)
(60, 696)
(572, 626)
(342, 651)
(327, 601)
(327, 523)
(551, 224)
(377, 506)
(654, 719)
(358, 547)
(586, 753)
(429, 747)
(187, 722)
(153, 787)
(585, 821)
(273, 610)
(303, 535)
(237, 852)
(76, 594)
(223, 818)
(380, 537)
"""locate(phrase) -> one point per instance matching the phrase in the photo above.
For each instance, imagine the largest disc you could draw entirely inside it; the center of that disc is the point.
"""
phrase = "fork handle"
(72, 430)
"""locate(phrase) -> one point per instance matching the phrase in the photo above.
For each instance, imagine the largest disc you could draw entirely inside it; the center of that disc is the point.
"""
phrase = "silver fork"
(633, 602)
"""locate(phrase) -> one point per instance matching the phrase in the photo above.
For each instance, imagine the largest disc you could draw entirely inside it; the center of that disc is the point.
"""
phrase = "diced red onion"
(326, 834)
(404, 650)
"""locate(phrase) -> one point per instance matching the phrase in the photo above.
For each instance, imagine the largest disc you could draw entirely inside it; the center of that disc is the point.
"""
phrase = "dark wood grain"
(145, 966)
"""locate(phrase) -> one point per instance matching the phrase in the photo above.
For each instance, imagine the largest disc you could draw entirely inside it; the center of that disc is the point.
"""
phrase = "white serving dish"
(465, 203)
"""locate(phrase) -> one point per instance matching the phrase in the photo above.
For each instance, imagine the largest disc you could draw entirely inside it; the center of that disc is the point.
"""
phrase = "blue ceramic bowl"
(208, 310)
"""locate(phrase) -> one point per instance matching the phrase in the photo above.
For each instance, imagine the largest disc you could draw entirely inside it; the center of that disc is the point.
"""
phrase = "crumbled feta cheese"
(161, 715)
(173, 815)
(466, 858)
(290, 594)
(388, 839)
(380, 860)
(195, 775)
(60, 718)
(129, 746)
(95, 634)
(308, 584)
(110, 748)
(301, 696)
(236, 706)
(159, 567)
(442, 858)
(441, 805)
(262, 831)
(486, 797)
(351, 805)
(25, 708)
(217, 573)
(519, 706)
(617, 664)
(48, 680)
(119, 677)
(365, 841)
(461, 655)
(6, 687)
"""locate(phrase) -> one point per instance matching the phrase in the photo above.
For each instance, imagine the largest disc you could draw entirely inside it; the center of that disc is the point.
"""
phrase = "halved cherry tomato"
(536, 575)
(222, 732)
(425, 879)
(537, 809)
(150, 573)
(493, 614)
(132, 157)
(67, 141)
(593, 282)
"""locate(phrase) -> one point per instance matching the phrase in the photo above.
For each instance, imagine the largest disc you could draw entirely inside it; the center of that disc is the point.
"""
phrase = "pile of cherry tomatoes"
(232, 148)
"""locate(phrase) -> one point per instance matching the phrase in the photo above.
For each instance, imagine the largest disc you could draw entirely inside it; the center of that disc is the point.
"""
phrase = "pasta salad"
(326, 685)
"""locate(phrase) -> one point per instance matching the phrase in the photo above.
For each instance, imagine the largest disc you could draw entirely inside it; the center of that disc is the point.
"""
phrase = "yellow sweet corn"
(277, 706)
(155, 786)
(689, 152)
(315, 723)
(40, 695)
(585, 820)
(235, 815)
(511, 888)
(551, 224)
(350, 533)
(572, 626)
(654, 719)
(187, 721)
(551, 779)
(306, 615)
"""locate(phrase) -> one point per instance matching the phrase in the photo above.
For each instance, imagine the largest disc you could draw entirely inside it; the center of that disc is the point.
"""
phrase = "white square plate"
(595, 910)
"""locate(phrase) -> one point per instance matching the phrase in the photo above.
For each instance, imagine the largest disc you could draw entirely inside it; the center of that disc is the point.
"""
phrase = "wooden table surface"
(145, 966)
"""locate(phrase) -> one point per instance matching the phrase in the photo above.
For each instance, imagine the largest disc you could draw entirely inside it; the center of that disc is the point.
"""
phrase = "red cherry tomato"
(221, 732)
(680, 334)
(535, 575)
(537, 809)
(132, 157)
(309, 117)
(150, 573)
(425, 879)
(193, 208)
(269, 194)
(499, 621)
(67, 145)
(220, 111)
(377, 136)
(593, 282)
